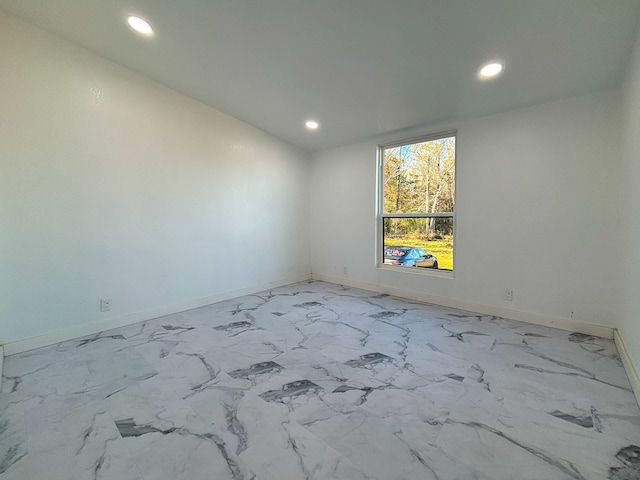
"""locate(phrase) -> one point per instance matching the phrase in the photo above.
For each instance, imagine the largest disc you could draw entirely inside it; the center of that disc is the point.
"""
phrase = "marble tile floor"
(318, 381)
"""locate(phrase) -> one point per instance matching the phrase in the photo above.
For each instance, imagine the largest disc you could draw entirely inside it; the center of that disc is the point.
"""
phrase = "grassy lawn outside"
(442, 249)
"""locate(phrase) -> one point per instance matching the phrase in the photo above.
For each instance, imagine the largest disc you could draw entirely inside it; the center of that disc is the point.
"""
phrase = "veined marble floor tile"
(13, 435)
(265, 437)
(374, 445)
(568, 438)
(167, 439)
(586, 357)
(560, 389)
(276, 447)
(500, 456)
(324, 382)
(80, 443)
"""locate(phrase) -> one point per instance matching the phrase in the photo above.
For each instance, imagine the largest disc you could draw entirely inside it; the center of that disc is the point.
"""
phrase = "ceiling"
(360, 67)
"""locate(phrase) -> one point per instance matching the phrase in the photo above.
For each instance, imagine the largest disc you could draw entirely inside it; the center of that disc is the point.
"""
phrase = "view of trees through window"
(419, 200)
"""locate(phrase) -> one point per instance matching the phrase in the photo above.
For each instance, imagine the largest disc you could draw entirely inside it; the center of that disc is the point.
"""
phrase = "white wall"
(537, 211)
(630, 271)
(114, 186)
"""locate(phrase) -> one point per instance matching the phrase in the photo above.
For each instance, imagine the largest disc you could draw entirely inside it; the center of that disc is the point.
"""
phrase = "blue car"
(409, 257)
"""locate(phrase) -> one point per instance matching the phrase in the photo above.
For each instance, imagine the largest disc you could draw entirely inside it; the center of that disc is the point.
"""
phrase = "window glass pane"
(419, 177)
(417, 237)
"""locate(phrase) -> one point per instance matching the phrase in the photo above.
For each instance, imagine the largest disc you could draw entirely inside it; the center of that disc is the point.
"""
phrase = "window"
(417, 200)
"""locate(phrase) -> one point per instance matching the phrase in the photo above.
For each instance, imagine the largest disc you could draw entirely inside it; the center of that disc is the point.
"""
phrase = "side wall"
(113, 186)
(536, 211)
(630, 271)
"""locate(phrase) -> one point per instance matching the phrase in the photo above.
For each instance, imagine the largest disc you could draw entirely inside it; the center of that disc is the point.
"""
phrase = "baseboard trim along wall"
(629, 366)
(547, 321)
(125, 320)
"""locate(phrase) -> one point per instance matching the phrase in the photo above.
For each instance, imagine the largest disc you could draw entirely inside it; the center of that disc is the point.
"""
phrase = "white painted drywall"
(114, 186)
(630, 269)
(537, 211)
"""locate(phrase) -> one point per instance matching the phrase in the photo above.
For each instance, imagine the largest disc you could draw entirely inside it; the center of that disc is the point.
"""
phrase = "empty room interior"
(283, 240)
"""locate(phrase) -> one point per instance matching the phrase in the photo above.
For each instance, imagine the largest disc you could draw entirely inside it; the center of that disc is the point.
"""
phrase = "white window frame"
(380, 215)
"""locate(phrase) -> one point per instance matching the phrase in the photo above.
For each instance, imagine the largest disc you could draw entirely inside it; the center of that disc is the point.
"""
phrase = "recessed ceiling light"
(140, 25)
(311, 124)
(490, 70)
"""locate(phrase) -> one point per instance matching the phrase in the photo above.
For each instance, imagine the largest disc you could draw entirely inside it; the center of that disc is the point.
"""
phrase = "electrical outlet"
(105, 304)
(508, 295)
(345, 270)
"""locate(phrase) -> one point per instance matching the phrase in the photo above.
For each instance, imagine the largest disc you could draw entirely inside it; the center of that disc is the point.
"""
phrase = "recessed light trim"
(491, 70)
(140, 25)
(311, 124)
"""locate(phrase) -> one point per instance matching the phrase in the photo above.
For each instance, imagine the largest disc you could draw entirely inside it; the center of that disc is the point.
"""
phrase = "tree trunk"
(426, 199)
(432, 223)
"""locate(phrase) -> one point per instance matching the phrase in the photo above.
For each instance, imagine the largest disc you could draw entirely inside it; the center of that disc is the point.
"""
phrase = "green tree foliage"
(420, 178)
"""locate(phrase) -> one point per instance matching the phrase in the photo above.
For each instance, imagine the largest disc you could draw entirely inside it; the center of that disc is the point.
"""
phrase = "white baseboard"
(125, 320)
(629, 366)
(91, 328)
(568, 324)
